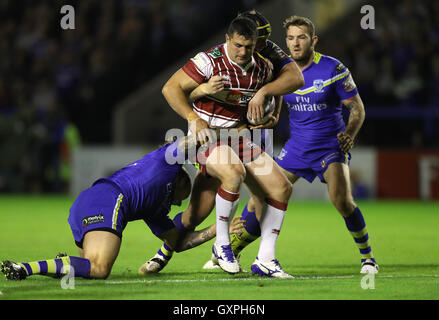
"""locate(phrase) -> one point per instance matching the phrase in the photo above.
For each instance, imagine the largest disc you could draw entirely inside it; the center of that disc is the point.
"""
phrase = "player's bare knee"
(99, 270)
(344, 206)
(233, 177)
(281, 191)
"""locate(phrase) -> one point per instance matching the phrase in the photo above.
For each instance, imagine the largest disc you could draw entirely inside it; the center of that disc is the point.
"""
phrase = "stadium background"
(78, 104)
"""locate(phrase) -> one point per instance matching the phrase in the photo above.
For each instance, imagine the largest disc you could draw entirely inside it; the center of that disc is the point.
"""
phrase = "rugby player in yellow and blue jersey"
(320, 141)
(142, 190)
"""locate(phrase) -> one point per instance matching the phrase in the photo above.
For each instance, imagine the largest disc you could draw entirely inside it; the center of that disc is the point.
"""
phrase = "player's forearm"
(356, 116)
(289, 80)
(197, 93)
(195, 238)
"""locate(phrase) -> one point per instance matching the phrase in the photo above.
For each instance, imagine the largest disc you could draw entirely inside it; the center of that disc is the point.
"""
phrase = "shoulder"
(331, 63)
(216, 52)
(206, 58)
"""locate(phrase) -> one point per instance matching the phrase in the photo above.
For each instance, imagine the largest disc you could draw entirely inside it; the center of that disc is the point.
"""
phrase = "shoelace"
(277, 264)
(227, 250)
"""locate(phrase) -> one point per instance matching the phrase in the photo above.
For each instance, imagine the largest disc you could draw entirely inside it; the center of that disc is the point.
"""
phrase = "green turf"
(314, 246)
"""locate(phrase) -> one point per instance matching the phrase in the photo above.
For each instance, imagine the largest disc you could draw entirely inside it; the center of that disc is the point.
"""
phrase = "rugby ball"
(269, 106)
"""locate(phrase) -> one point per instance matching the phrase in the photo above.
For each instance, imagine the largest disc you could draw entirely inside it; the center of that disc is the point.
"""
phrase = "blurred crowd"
(58, 87)
(396, 66)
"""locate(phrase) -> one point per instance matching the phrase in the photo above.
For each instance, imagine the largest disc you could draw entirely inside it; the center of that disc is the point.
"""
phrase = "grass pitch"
(314, 246)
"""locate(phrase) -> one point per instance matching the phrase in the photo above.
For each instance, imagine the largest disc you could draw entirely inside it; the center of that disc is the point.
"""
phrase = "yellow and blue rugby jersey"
(315, 110)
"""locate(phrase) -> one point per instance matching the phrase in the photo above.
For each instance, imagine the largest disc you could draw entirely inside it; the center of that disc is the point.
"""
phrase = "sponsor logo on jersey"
(314, 107)
(215, 53)
(237, 97)
(340, 68)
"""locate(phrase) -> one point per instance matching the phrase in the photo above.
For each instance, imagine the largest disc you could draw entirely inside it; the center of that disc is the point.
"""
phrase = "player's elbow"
(165, 89)
(299, 81)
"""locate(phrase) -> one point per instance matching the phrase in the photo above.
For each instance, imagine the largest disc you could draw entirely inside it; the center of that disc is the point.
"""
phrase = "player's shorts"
(315, 163)
(103, 207)
(100, 207)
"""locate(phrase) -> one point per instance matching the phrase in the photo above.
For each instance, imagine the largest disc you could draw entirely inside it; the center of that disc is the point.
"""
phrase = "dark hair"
(300, 21)
(242, 26)
(264, 27)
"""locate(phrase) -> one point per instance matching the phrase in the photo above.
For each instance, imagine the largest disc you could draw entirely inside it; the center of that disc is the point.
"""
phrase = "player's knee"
(100, 270)
(344, 206)
(233, 176)
(282, 191)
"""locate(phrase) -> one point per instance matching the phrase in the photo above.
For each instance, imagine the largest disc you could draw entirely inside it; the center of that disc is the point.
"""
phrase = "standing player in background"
(241, 78)
(319, 142)
(143, 190)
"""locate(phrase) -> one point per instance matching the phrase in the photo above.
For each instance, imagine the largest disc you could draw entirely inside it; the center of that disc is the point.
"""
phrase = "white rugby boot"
(226, 259)
(271, 268)
(369, 266)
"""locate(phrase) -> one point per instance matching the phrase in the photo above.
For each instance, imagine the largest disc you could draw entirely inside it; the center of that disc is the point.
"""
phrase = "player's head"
(264, 27)
(300, 37)
(182, 187)
(241, 39)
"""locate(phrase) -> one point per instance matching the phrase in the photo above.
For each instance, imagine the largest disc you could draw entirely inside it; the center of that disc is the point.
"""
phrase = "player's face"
(300, 43)
(261, 43)
(240, 49)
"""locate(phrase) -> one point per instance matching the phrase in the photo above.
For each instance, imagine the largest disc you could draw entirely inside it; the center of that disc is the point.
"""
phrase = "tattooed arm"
(356, 118)
(195, 238)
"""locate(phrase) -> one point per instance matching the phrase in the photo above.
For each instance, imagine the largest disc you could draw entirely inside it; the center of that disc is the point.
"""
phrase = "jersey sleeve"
(276, 55)
(199, 68)
(345, 86)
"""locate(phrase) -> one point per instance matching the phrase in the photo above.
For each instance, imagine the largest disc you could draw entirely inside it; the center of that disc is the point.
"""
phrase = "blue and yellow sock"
(165, 252)
(80, 267)
(357, 227)
(251, 231)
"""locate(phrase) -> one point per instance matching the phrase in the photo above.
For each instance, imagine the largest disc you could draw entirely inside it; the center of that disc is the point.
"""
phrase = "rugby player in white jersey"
(244, 73)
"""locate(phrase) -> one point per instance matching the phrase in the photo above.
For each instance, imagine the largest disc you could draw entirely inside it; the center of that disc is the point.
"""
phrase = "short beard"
(305, 58)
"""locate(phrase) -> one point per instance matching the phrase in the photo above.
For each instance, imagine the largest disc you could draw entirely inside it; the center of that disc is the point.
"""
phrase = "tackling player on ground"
(319, 142)
(143, 190)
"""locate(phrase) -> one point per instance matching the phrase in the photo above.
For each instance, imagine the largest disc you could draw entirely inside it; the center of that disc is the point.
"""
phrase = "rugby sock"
(179, 224)
(165, 252)
(226, 203)
(357, 227)
(78, 267)
(270, 228)
(250, 232)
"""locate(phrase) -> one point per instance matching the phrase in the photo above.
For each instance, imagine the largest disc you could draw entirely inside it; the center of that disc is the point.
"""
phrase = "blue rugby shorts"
(312, 165)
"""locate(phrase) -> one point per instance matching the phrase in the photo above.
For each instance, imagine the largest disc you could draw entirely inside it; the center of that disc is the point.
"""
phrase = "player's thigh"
(265, 175)
(202, 200)
(292, 177)
(101, 248)
(339, 187)
(223, 163)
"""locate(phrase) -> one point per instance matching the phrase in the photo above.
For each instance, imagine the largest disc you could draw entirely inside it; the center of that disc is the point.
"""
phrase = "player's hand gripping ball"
(269, 106)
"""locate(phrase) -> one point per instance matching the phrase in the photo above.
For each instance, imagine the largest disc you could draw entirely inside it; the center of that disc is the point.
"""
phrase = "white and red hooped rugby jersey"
(226, 108)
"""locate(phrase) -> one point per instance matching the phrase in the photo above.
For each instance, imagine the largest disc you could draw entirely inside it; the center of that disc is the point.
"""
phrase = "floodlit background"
(79, 104)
